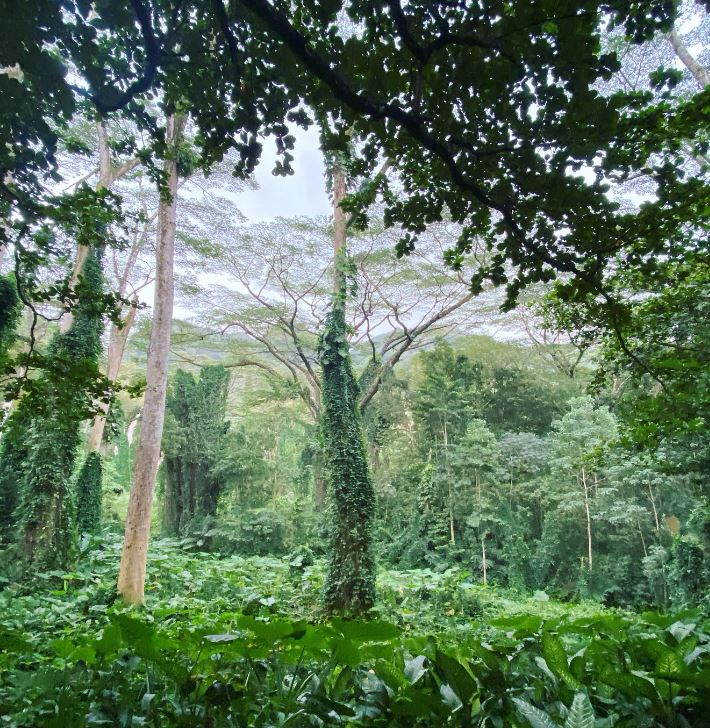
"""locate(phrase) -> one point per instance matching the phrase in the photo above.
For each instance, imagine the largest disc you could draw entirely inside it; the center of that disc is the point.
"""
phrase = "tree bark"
(116, 347)
(339, 222)
(131, 576)
(585, 490)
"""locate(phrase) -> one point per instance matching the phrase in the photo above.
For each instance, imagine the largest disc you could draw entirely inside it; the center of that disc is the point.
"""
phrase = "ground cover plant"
(408, 428)
(233, 641)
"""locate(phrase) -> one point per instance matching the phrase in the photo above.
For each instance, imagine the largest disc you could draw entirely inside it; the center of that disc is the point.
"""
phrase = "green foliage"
(88, 494)
(55, 410)
(10, 312)
(446, 398)
(14, 450)
(434, 511)
(193, 442)
(233, 642)
(350, 586)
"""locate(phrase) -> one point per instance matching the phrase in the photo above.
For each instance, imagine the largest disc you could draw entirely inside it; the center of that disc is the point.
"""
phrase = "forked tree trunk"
(131, 575)
(116, 347)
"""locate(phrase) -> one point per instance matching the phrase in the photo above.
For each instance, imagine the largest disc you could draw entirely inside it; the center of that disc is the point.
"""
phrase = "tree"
(194, 447)
(276, 292)
(45, 510)
(579, 441)
(350, 582)
(446, 397)
(131, 576)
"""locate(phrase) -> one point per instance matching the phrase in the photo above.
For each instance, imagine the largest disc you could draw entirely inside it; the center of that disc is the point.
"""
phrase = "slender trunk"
(131, 575)
(643, 540)
(585, 490)
(483, 561)
(452, 535)
(339, 228)
(116, 347)
(653, 506)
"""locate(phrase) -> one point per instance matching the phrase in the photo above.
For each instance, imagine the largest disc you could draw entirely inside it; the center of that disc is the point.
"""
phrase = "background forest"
(411, 428)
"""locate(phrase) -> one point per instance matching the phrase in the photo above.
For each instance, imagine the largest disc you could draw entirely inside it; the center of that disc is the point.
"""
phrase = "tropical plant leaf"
(536, 717)
(581, 714)
(556, 658)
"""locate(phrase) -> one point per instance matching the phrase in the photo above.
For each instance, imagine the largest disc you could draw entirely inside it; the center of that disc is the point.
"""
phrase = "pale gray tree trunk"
(131, 575)
(108, 174)
(339, 225)
(585, 491)
(116, 346)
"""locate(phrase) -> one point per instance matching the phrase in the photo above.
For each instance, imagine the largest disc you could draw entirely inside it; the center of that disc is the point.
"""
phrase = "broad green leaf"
(556, 658)
(581, 714)
(457, 676)
(536, 717)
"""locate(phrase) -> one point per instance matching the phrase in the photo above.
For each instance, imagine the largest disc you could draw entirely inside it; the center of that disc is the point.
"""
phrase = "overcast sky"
(301, 194)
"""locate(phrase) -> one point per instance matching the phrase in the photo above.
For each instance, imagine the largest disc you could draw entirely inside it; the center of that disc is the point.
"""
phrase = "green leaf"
(556, 658)
(669, 664)
(457, 676)
(414, 669)
(536, 717)
(361, 631)
(581, 714)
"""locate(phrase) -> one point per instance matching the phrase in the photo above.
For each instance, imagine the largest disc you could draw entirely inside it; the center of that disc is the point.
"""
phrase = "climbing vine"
(193, 443)
(88, 494)
(350, 582)
(52, 419)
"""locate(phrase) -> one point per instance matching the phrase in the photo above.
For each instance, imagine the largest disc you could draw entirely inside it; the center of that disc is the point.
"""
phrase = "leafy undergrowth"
(241, 642)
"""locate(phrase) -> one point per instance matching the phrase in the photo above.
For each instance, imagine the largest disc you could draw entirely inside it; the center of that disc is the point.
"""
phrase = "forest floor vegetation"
(240, 641)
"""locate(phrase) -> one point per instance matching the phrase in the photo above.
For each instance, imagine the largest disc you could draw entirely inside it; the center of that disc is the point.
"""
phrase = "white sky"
(301, 194)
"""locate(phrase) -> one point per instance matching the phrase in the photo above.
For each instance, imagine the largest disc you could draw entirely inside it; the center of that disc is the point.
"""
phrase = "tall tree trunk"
(483, 560)
(131, 575)
(452, 535)
(339, 248)
(653, 506)
(339, 227)
(585, 490)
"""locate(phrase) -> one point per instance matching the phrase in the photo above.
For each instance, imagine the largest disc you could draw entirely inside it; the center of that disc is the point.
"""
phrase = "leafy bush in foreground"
(229, 649)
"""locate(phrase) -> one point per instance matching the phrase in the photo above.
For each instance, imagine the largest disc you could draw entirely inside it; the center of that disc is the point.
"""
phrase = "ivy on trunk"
(350, 583)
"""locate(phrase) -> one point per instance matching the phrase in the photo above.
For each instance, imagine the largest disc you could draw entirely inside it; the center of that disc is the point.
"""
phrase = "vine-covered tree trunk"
(350, 582)
(131, 576)
(10, 312)
(88, 494)
(57, 408)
